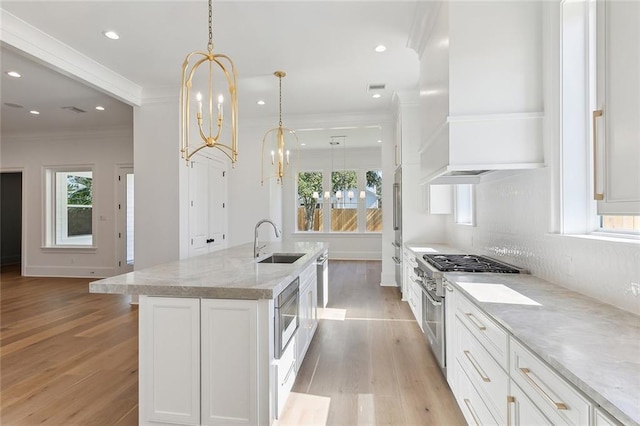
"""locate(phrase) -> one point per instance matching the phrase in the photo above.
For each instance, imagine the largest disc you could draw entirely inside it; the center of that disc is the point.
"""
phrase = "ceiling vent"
(374, 87)
(74, 109)
(9, 104)
(335, 140)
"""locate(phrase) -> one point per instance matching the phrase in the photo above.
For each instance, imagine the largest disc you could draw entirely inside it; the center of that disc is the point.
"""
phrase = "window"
(309, 208)
(464, 211)
(344, 203)
(69, 207)
(373, 200)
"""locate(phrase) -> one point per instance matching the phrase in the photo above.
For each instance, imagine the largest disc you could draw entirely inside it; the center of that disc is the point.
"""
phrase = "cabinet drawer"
(493, 337)
(491, 381)
(474, 409)
(553, 395)
(307, 275)
(602, 418)
(286, 374)
(522, 411)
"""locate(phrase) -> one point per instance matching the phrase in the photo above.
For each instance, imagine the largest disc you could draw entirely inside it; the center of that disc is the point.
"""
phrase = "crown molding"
(56, 55)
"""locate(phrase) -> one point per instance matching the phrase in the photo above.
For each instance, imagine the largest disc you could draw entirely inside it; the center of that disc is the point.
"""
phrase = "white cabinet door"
(207, 205)
(449, 325)
(618, 129)
(307, 309)
(169, 360)
(229, 362)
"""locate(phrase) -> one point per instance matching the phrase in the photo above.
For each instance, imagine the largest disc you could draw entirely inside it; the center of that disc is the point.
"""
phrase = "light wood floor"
(68, 357)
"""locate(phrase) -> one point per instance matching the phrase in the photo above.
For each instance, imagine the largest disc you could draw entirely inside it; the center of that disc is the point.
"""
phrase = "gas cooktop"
(467, 263)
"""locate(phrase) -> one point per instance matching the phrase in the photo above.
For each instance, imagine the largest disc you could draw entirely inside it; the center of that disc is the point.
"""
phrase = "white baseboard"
(354, 255)
(69, 272)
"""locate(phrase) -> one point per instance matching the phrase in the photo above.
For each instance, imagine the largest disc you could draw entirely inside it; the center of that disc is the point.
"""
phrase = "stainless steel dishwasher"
(323, 279)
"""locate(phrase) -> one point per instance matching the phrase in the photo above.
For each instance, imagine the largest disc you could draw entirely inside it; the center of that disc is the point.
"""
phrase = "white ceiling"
(326, 48)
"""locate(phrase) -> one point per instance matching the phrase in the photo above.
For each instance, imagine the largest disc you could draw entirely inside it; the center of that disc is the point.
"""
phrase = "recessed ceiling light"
(379, 140)
(376, 95)
(15, 74)
(34, 112)
(100, 108)
(260, 102)
(380, 48)
(111, 35)
(303, 144)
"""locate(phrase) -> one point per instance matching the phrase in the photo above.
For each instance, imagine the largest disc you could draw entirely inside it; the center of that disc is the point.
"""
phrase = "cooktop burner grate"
(467, 263)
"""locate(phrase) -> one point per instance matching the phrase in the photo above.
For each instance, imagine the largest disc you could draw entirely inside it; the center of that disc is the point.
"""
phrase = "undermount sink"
(282, 258)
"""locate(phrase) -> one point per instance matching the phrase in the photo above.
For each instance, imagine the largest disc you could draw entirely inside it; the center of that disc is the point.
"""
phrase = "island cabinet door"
(169, 360)
(229, 362)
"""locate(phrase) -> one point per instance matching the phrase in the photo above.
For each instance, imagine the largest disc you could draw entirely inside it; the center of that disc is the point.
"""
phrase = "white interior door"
(207, 205)
(124, 219)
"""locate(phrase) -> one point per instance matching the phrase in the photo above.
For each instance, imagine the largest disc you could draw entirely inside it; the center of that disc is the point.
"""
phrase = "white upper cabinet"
(617, 130)
(480, 89)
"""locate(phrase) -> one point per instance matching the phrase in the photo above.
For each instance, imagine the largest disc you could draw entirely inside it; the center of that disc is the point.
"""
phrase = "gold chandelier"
(278, 161)
(210, 125)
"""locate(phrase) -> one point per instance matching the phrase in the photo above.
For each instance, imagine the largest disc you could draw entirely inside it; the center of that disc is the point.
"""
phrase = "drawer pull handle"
(475, 321)
(475, 364)
(473, 413)
(557, 405)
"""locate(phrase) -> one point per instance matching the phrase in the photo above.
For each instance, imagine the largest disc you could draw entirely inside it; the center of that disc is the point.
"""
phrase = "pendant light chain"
(210, 44)
(280, 105)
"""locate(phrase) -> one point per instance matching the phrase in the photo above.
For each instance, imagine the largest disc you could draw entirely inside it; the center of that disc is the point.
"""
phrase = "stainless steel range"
(430, 270)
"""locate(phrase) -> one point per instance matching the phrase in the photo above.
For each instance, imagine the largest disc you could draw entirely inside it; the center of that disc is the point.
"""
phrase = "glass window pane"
(373, 200)
(464, 213)
(629, 224)
(309, 210)
(74, 207)
(344, 203)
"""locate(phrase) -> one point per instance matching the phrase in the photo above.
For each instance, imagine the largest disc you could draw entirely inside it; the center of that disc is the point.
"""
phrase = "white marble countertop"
(231, 273)
(595, 346)
(421, 248)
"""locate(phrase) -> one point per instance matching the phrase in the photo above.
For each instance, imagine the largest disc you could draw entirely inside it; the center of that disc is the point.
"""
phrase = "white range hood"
(468, 148)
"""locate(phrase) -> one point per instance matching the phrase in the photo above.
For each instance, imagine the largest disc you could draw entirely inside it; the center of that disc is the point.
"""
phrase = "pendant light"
(276, 152)
(210, 123)
(333, 143)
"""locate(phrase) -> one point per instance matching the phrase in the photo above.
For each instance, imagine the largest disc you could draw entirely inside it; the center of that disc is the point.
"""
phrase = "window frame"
(326, 202)
(51, 211)
(576, 212)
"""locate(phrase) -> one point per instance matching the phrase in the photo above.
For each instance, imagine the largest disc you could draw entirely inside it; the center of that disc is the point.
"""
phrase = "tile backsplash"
(512, 224)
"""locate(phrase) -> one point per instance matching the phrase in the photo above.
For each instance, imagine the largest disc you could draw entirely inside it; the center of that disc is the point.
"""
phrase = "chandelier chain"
(280, 104)
(210, 44)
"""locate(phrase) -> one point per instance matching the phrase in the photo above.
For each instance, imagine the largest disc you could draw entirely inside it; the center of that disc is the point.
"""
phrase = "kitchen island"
(207, 331)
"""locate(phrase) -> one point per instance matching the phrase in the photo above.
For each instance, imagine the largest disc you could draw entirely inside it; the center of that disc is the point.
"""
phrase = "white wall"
(103, 150)
(161, 190)
(512, 224)
(249, 201)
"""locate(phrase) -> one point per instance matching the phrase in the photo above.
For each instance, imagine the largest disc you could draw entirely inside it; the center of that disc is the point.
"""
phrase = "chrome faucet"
(256, 248)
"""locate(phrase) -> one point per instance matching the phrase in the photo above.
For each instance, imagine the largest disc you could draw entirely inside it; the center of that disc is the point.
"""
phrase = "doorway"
(124, 219)
(11, 218)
